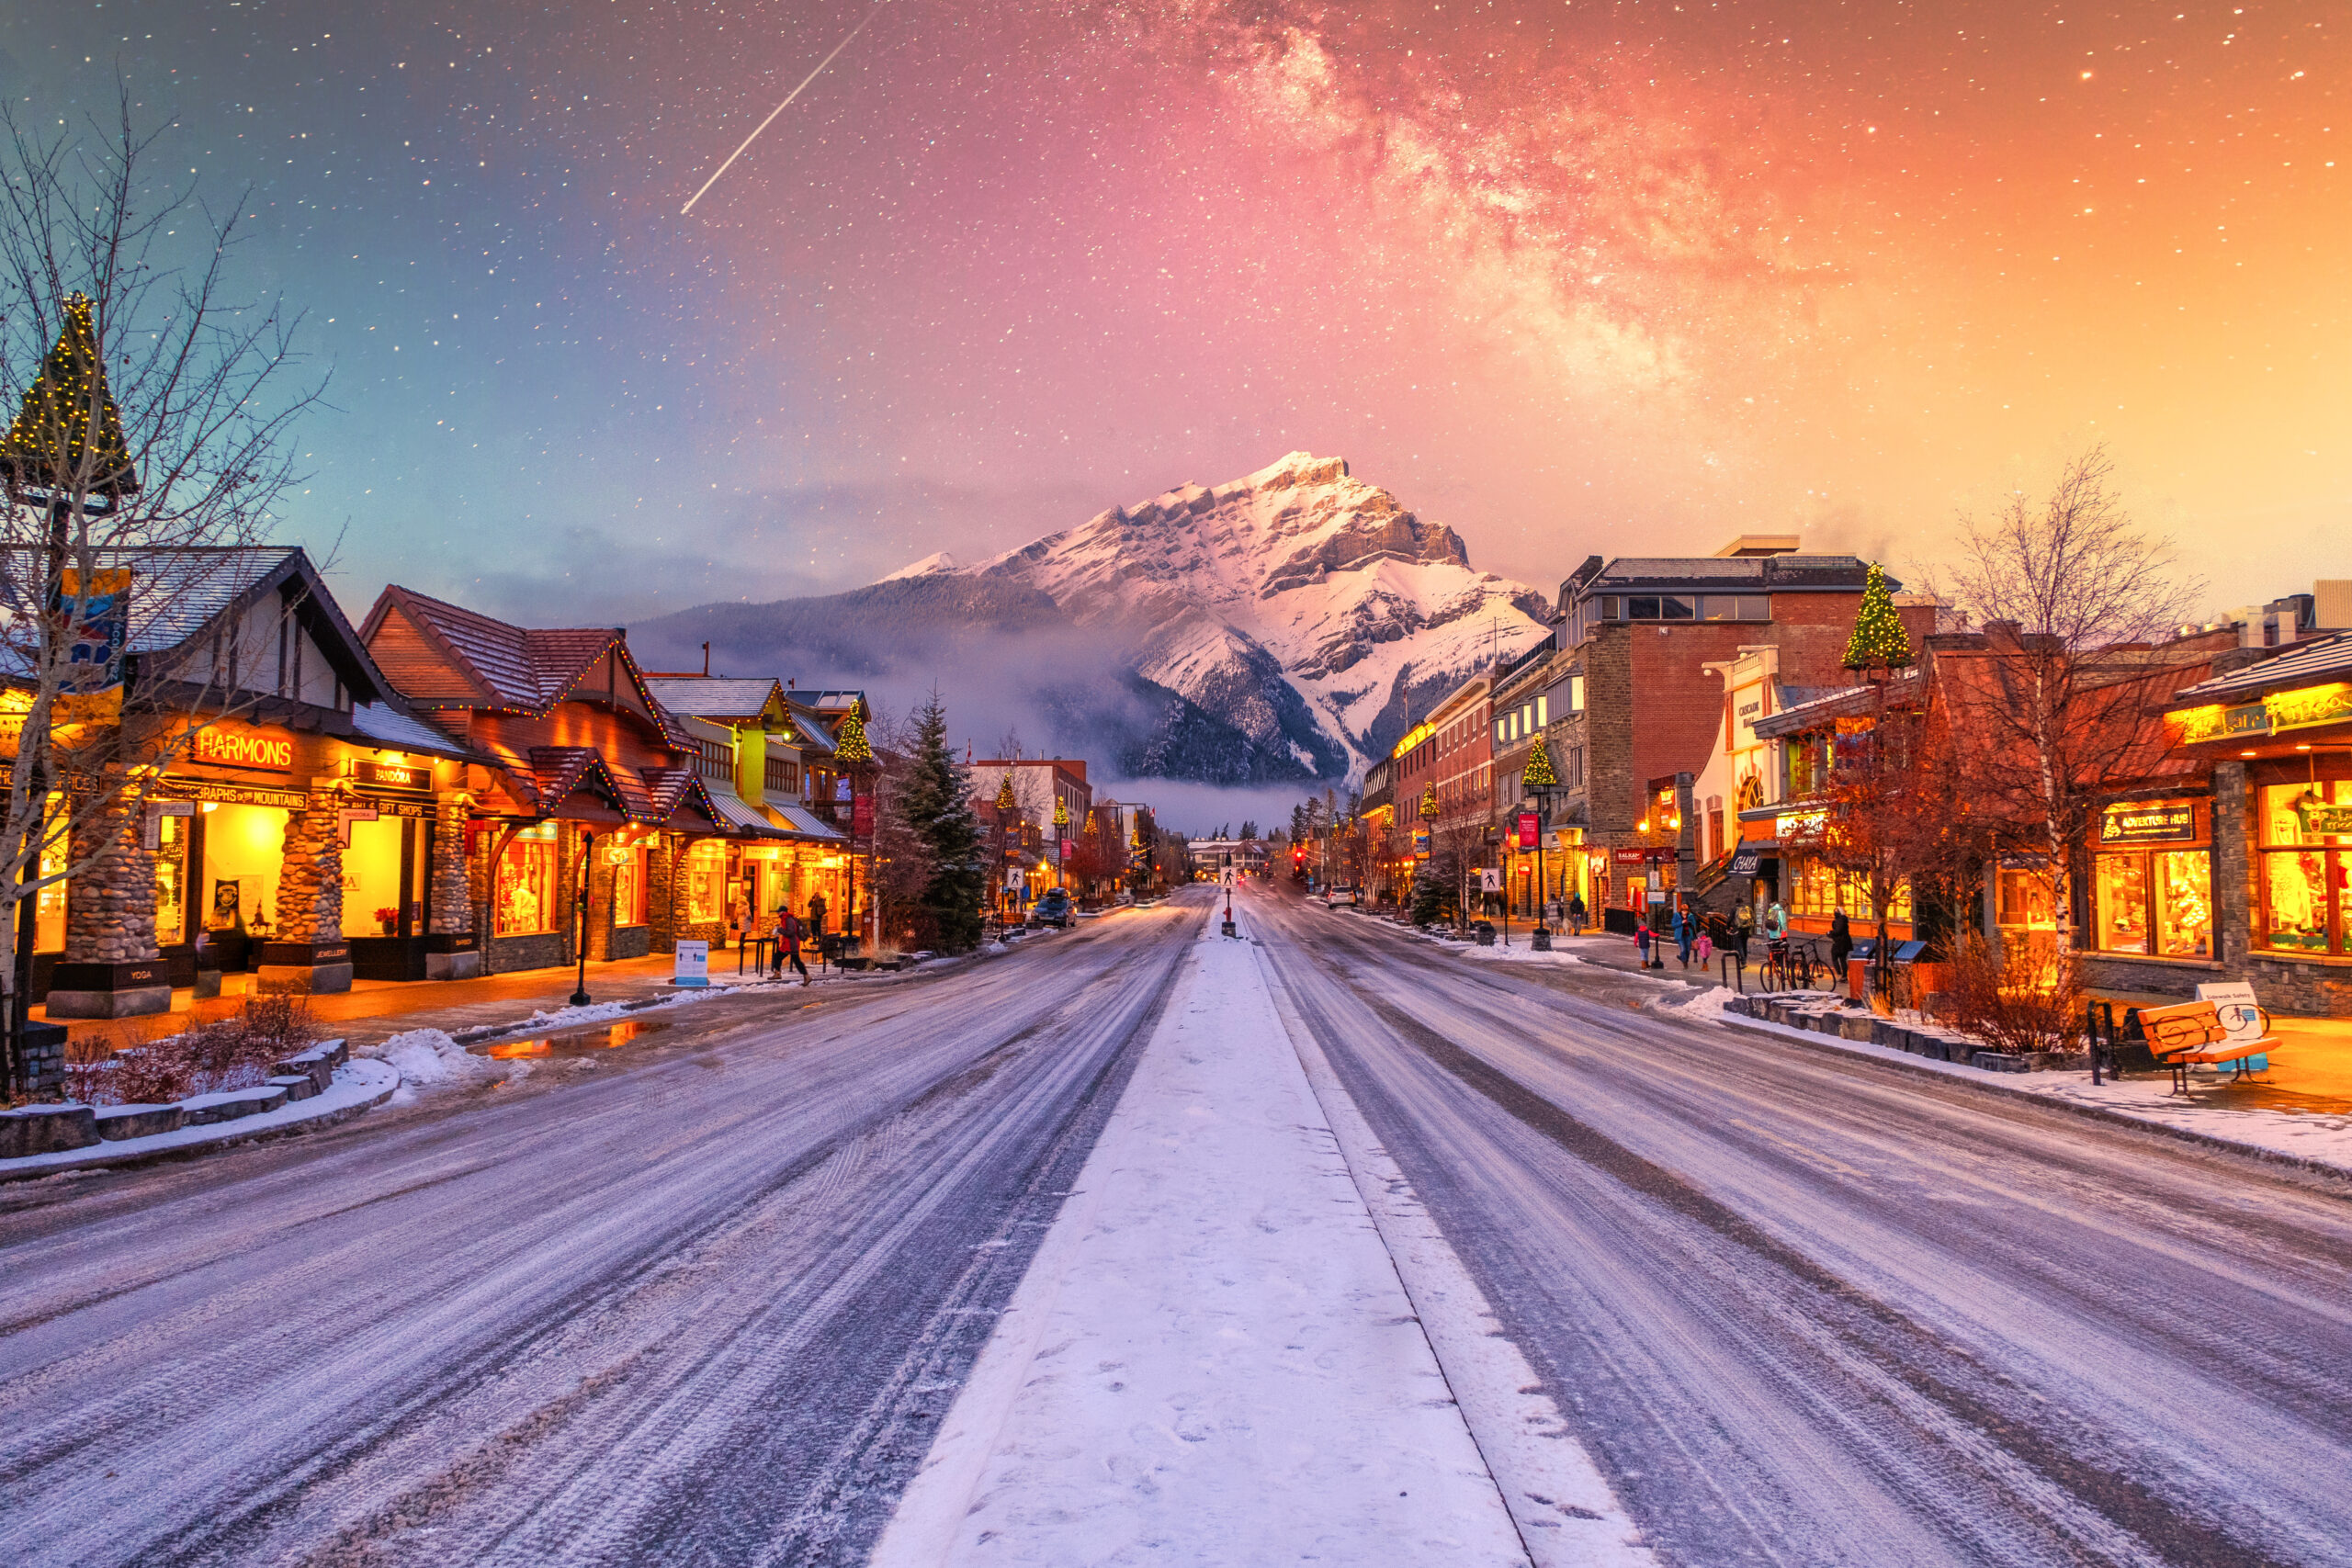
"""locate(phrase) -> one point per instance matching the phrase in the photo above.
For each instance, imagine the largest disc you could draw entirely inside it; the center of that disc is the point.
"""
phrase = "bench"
(2192, 1033)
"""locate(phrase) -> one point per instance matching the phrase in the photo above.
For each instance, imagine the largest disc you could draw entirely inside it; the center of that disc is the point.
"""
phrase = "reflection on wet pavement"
(573, 1043)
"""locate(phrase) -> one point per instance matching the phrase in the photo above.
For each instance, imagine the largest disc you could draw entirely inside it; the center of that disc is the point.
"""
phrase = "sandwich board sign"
(692, 966)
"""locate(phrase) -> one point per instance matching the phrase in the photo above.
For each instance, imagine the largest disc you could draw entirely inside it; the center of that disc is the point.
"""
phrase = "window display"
(2184, 886)
(628, 888)
(49, 904)
(2120, 886)
(2306, 855)
(704, 881)
(2156, 902)
(171, 881)
(529, 895)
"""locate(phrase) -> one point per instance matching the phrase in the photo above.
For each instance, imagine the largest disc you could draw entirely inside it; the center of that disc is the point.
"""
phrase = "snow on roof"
(2319, 658)
(713, 696)
(404, 731)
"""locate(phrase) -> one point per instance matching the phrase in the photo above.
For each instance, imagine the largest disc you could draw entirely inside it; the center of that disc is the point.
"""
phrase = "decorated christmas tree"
(1538, 773)
(850, 744)
(1879, 641)
(51, 445)
(1004, 801)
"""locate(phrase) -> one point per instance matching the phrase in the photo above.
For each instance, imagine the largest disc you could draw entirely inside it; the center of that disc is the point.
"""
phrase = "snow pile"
(996, 947)
(1521, 951)
(424, 1057)
(1707, 1007)
(1211, 1359)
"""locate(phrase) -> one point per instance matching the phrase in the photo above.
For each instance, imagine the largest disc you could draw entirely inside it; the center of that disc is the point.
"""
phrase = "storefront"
(2152, 880)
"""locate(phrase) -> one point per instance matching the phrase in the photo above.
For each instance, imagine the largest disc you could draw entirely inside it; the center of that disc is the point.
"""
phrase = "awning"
(1753, 863)
(807, 824)
(738, 818)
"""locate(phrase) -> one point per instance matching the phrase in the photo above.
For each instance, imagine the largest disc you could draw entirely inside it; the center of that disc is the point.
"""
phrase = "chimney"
(2002, 637)
(705, 660)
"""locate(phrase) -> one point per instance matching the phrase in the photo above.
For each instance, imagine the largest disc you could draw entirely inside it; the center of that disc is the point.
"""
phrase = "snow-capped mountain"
(1298, 607)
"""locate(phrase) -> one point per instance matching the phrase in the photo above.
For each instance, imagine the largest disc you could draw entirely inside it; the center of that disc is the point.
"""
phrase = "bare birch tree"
(150, 413)
(2073, 599)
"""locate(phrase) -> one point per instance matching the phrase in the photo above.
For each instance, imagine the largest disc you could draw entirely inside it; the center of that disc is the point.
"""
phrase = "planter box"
(1999, 1062)
(297, 1086)
(1861, 1027)
(46, 1130)
(116, 1123)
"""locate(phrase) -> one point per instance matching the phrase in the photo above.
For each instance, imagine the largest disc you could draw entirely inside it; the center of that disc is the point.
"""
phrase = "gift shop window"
(705, 878)
(2158, 900)
(629, 886)
(2306, 854)
(529, 898)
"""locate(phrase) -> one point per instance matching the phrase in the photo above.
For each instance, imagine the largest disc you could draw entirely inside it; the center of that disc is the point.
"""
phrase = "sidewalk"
(377, 1009)
(1211, 1359)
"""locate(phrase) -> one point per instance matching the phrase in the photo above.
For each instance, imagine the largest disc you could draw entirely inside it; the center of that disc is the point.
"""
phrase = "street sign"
(1529, 829)
(691, 965)
(1490, 880)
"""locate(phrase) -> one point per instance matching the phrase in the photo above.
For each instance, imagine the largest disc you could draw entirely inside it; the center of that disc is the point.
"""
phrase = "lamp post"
(580, 991)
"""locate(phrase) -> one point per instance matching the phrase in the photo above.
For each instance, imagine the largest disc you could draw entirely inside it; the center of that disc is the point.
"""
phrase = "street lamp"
(580, 991)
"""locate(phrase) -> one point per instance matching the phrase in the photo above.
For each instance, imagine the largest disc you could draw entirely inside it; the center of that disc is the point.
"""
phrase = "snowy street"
(1136, 1245)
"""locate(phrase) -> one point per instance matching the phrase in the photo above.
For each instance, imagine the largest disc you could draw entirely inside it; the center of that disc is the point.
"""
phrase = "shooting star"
(796, 92)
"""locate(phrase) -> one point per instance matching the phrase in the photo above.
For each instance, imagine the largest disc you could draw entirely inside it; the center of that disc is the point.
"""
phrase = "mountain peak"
(929, 566)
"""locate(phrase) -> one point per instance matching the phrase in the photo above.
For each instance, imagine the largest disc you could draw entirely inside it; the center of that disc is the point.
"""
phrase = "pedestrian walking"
(1842, 944)
(1686, 932)
(1575, 914)
(1743, 928)
(1776, 922)
(788, 944)
(1642, 937)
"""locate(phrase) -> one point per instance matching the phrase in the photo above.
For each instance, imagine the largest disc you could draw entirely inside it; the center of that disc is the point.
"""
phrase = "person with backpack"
(787, 943)
(1575, 914)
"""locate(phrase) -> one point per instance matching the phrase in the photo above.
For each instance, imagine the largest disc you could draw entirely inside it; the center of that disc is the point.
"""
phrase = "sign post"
(691, 965)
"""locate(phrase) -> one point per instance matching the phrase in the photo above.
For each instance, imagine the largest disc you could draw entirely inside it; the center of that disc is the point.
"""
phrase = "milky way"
(1570, 278)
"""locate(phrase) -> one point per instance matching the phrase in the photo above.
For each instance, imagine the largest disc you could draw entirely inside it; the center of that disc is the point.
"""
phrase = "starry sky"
(1572, 276)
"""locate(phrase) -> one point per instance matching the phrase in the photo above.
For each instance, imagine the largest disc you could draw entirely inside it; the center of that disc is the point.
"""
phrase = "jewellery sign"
(2164, 822)
(409, 777)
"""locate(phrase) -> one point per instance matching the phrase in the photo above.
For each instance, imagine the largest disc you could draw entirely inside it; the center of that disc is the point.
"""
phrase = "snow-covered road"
(700, 1302)
(1803, 1309)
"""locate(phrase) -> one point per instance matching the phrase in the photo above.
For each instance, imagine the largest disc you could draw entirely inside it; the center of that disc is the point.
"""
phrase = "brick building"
(1637, 637)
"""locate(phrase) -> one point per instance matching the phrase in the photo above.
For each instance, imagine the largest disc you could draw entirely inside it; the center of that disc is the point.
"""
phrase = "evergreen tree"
(52, 444)
(939, 817)
(850, 744)
(1538, 773)
(1432, 896)
(1249, 831)
(1879, 641)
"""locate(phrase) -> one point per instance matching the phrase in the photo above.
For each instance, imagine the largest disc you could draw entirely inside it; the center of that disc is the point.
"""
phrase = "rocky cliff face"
(1303, 609)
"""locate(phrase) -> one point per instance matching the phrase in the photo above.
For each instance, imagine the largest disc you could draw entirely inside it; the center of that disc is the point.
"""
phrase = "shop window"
(703, 882)
(2183, 882)
(529, 897)
(2120, 890)
(2022, 904)
(628, 888)
(171, 881)
(372, 889)
(49, 904)
(2306, 857)
(244, 848)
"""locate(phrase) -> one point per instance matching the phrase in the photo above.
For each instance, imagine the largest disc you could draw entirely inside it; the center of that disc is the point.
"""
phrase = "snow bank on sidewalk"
(428, 1057)
(1211, 1359)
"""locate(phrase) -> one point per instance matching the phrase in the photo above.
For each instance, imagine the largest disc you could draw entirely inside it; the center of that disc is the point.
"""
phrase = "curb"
(118, 1156)
(1825, 1046)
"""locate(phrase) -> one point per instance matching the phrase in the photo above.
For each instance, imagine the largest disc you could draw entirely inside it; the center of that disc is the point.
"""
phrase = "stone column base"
(452, 955)
(303, 968)
(109, 990)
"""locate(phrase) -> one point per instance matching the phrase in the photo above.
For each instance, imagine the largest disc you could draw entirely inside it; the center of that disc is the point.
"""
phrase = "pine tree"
(51, 445)
(942, 818)
(1432, 898)
(1879, 641)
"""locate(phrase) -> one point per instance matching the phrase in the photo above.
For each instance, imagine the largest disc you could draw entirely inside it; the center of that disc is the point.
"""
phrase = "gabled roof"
(388, 724)
(467, 659)
(720, 698)
(178, 593)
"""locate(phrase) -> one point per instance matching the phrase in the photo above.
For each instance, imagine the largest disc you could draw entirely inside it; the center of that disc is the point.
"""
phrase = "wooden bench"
(2192, 1033)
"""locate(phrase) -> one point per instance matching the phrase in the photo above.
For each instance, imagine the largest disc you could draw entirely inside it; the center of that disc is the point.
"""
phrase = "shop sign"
(2320, 818)
(1634, 857)
(1798, 824)
(2309, 707)
(244, 749)
(861, 817)
(2166, 822)
(1421, 843)
(1529, 831)
(236, 794)
(415, 778)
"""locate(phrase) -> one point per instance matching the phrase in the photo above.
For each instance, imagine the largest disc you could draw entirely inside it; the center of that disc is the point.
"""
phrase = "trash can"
(1483, 932)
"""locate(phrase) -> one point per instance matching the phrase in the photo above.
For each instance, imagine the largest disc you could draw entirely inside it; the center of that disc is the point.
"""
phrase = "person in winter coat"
(1776, 922)
(1575, 914)
(1642, 938)
(1743, 928)
(1841, 942)
(1686, 932)
(788, 944)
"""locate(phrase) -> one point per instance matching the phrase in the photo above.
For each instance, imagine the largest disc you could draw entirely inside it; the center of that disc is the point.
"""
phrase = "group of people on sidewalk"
(1701, 936)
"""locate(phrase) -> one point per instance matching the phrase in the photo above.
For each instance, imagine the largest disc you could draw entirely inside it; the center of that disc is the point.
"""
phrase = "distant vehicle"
(1053, 910)
(1344, 893)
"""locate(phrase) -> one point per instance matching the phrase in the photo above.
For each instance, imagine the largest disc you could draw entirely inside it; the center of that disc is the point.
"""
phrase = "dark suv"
(1053, 910)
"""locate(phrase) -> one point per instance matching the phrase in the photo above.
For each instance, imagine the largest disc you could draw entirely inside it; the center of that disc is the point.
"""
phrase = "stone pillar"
(2234, 889)
(111, 967)
(662, 862)
(600, 908)
(452, 942)
(307, 952)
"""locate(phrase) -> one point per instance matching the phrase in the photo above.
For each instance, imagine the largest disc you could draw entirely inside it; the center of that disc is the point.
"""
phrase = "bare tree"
(148, 445)
(2073, 599)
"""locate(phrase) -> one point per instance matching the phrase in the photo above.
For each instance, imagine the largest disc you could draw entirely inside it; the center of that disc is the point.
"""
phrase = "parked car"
(1342, 894)
(1053, 910)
